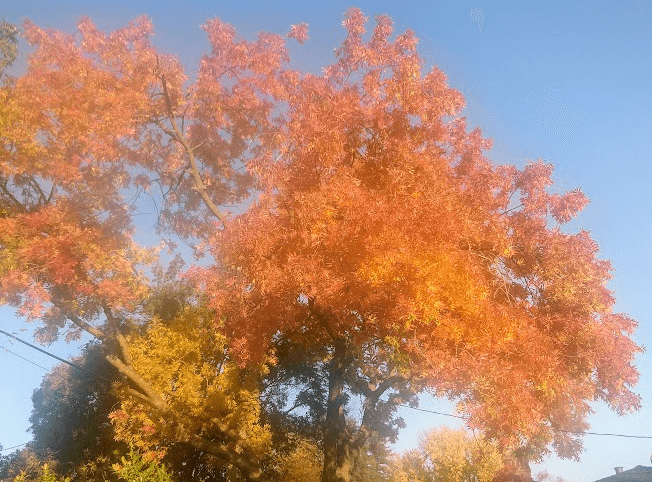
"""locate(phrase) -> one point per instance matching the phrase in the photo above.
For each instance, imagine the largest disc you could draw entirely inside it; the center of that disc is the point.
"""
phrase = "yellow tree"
(448, 455)
(214, 399)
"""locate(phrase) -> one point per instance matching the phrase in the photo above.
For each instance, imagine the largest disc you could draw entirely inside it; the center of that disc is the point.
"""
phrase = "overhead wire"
(556, 430)
(27, 360)
(401, 405)
(42, 351)
(13, 447)
(81, 369)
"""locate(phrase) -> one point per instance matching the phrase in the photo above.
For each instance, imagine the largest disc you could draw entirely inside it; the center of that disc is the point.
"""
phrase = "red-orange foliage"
(376, 220)
(381, 218)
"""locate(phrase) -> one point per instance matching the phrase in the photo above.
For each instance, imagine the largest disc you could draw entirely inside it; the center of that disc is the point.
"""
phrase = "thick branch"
(43, 198)
(194, 170)
(321, 317)
(154, 398)
(372, 397)
(7, 192)
(52, 191)
(246, 463)
(124, 347)
(97, 333)
(222, 427)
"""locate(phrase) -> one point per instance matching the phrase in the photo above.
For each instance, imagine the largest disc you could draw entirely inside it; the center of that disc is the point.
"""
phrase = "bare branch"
(7, 192)
(178, 136)
(96, 332)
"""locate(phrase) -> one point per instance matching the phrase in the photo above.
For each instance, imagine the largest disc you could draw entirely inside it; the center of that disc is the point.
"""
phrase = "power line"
(463, 418)
(605, 434)
(81, 369)
(42, 351)
(562, 431)
(29, 361)
(401, 405)
(13, 447)
(432, 411)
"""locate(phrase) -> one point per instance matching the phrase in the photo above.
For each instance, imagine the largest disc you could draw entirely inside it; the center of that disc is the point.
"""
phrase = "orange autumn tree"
(384, 234)
(377, 237)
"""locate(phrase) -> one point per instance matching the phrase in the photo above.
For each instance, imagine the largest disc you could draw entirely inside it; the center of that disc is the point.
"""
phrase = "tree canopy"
(374, 243)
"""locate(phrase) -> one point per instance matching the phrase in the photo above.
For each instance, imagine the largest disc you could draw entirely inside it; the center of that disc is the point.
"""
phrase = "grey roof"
(637, 474)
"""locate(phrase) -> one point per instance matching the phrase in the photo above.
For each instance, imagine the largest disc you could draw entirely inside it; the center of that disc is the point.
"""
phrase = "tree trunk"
(339, 453)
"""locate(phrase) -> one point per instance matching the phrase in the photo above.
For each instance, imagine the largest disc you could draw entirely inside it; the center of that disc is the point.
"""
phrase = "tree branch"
(246, 463)
(372, 397)
(178, 136)
(154, 398)
(96, 332)
(8, 193)
(322, 318)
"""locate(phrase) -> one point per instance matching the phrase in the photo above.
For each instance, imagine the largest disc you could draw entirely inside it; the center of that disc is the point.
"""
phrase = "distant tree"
(70, 415)
(23, 460)
(45, 474)
(447, 455)
(544, 476)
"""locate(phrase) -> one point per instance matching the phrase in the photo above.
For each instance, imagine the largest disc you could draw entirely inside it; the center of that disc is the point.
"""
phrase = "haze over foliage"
(378, 254)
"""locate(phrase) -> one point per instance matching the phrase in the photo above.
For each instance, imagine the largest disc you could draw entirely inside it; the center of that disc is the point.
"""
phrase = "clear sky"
(571, 84)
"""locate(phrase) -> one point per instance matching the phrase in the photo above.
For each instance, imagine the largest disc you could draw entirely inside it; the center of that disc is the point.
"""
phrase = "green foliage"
(70, 414)
(8, 45)
(46, 475)
(24, 462)
(133, 468)
(137, 468)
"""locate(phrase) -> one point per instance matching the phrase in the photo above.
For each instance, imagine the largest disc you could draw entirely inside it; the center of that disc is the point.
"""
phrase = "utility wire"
(562, 431)
(81, 369)
(401, 405)
(9, 448)
(43, 351)
(432, 411)
(29, 361)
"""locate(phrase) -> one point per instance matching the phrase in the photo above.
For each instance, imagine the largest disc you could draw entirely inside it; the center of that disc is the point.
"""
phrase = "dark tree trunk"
(339, 452)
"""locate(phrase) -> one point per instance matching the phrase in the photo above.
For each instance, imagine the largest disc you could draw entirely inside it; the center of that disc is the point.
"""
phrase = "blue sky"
(571, 84)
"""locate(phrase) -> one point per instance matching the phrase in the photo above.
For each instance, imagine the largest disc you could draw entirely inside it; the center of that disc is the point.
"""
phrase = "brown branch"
(321, 318)
(373, 395)
(52, 191)
(510, 210)
(155, 399)
(124, 347)
(246, 463)
(8, 193)
(178, 136)
(110, 317)
(96, 332)
(36, 185)
(144, 398)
